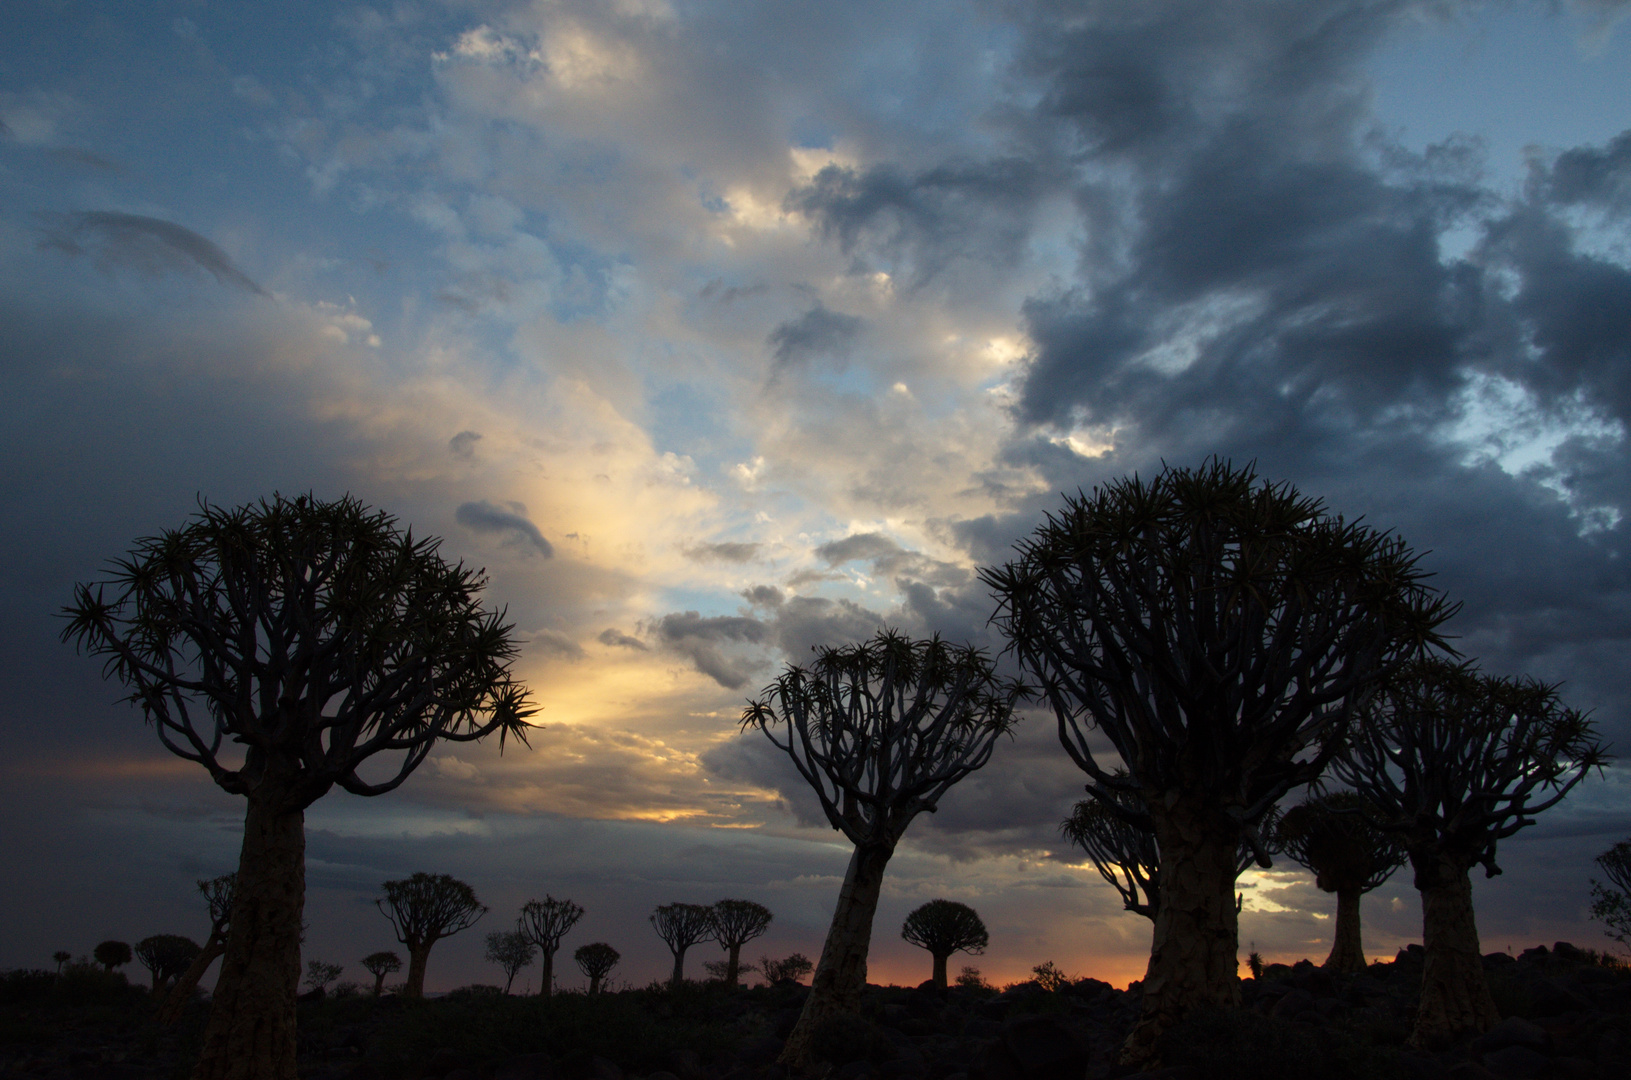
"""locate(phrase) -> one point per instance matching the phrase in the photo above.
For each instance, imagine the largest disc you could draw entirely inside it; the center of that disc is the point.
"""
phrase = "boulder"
(1517, 1062)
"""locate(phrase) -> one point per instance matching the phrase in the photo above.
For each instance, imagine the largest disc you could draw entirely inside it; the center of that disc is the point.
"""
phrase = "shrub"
(1234, 1044)
(1050, 978)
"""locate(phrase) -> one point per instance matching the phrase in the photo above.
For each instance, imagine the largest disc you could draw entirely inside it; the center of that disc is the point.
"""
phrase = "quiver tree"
(596, 961)
(282, 645)
(379, 965)
(423, 910)
(881, 730)
(1453, 762)
(737, 922)
(218, 894)
(1331, 837)
(1216, 631)
(545, 922)
(1611, 902)
(165, 956)
(944, 927)
(319, 975)
(682, 926)
(112, 954)
(511, 950)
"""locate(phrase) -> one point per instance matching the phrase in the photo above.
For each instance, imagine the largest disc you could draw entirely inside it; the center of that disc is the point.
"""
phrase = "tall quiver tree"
(1331, 837)
(944, 927)
(682, 926)
(737, 922)
(218, 894)
(309, 637)
(1217, 630)
(546, 922)
(423, 910)
(881, 730)
(1454, 762)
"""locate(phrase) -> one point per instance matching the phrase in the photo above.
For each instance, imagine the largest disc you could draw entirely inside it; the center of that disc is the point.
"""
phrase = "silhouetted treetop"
(112, 954)
(1331, 837)
(423, 909)
(596, 960)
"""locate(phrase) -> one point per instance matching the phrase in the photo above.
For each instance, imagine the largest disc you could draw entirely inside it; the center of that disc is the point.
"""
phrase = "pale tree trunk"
(546, 976)
(170, 1011)
(1347, 948)
(251, 1029)
(418, 955)
(939, 975)
(1193, 956)
(841, 974)
(733, 966)
(1455, 999)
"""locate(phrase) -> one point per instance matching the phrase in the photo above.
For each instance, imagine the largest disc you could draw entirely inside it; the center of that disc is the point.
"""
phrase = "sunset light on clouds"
(716, 331)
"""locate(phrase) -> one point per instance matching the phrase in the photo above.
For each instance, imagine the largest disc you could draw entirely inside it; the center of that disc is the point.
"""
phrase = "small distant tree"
(788, 969)
(737, 922)
(1214, 632)
(1454, 762)
(682, 926)
(284, 646)
(112, 954)
(545, 922)
(1611, 902)
(596, 960)
(510, 950)
(880, 730)
(1050, 977)
(970, 979)
(165, 956)
(423, 910)
(1330, 836)
(218, 893)
(319, 975)
(379, 965)
(944, 927)
(61, 958)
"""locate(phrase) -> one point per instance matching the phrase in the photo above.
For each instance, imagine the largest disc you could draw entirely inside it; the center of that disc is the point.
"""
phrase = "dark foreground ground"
(1567, 1016)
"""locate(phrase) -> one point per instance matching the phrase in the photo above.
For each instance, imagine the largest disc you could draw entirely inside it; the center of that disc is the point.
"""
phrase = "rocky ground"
(1566, 1016)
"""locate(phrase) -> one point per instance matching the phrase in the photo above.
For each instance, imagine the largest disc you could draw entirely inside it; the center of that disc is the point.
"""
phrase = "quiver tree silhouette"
(423, 910)
(165, 956)
(112, 954)
(788, 969)
(596, 961)
(379, 965)
(880, 730)
(737, 922)
(309, 637)
(1217, 631)
(1611, 902)
(319, 975)
(1330, 836)
(218, 894)
(944, 927)
(511, 950)
(1453, 762)
(545, 922)
(61, 958)
(682, 926)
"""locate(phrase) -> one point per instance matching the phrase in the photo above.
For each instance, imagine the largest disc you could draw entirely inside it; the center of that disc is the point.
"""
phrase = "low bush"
(1234, 1044)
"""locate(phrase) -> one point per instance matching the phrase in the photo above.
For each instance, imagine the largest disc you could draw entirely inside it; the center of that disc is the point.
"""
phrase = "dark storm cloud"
(819, 332)
(511, 519)
(964, 210)
(1589, 175)
(618, 639)
(722, 552)
(719, 646)
(150, 246)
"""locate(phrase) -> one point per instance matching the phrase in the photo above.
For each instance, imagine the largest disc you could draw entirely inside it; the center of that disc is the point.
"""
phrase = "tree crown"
(427, 907)
(683, 925)
(944, 927)
(596, 959)
(112, 954)
(219, 893)
(1331, 837)
(1216, 628)
(381, 964)
(1456, 761)
(314, 634)
(166, 955)
(881, 729)
(546, 921)
(737, 922)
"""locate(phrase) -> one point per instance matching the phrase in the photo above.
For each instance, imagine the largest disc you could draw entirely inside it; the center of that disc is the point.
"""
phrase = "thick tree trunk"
(594, 984)
(418, 955)
(1455, 999)
(251, 1029)
(170, 1011)
(733, 966)
(1193, 957)
(841, 974)
(546, 976)
(1347, 948)
(677, 980)
(939, 976)
(379, 984)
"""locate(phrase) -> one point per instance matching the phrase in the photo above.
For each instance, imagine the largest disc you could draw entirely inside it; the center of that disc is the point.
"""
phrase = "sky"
(716, 331)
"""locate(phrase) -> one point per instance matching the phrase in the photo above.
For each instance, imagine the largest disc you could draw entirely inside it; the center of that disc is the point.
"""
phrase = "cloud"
(714, 644)
(618, 639)
(818, 333)
(464, 443)
(859, 546)
(728, 551)
(150, 246)
(484, 517)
